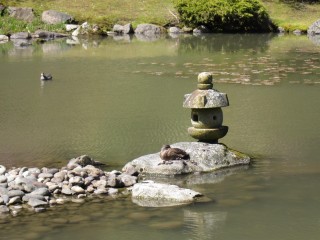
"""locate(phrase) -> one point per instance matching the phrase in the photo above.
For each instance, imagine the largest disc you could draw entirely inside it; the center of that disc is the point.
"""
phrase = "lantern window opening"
(195, 117)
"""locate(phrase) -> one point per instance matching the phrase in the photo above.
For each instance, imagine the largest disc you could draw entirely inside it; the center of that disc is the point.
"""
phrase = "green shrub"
(225, 15)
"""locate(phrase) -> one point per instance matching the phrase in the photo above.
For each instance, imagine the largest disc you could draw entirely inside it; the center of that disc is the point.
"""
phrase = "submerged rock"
(204, 157)
(151, 194)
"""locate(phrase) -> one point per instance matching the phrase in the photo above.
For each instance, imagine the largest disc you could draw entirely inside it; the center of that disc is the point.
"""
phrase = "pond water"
(116, 99)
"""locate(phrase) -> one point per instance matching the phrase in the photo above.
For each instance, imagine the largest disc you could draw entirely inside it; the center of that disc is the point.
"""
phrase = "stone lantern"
(206, 113)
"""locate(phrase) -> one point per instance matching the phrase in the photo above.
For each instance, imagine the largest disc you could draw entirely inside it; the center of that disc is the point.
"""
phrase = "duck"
(45, 77)
(168, 153)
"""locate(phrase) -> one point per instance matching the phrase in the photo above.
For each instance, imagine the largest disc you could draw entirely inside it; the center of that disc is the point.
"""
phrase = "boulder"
(151, 194)
(82, 161)
(21, 13)
(21, 35)
(175, 30)
(126, 29)
(55, 17)
(49, 35)
(70, 27)
(35, 203)
(204, 157)
(201, 29)
(297, 32)
(149, 29)
(314, 28)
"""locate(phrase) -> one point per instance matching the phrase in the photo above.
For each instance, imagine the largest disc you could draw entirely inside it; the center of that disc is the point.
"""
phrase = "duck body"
(168, 153)
(45, 77)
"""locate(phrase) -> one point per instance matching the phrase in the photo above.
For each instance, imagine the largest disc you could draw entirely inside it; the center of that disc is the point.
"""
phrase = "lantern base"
(208, 134)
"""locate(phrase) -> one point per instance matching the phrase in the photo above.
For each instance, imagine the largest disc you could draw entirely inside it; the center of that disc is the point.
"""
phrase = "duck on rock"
(168, 153)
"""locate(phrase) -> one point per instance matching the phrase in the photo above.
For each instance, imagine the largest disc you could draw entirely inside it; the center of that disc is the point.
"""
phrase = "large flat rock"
(204, 157)
(151, 194)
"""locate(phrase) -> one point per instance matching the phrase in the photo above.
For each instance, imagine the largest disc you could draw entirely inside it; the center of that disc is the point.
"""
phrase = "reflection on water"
(120, 97)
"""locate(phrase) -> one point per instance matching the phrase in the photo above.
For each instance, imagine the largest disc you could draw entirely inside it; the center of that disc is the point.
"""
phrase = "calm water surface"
(117, 99)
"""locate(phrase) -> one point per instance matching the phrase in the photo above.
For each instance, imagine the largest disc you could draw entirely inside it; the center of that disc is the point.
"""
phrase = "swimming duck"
(45, 77)
(168, 153)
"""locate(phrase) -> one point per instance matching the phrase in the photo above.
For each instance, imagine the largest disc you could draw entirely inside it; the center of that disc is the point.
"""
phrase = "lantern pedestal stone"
(207, 154)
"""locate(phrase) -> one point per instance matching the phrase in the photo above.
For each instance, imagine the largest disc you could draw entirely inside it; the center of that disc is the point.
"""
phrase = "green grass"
(292, 16)
(108, 12)
(10, 25)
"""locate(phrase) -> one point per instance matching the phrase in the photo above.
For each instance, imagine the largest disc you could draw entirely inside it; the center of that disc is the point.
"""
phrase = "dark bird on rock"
(45, 77)
(168, 153)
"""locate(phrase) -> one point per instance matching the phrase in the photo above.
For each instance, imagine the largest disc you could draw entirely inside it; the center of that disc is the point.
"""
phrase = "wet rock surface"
(151, 194)
(204, 157)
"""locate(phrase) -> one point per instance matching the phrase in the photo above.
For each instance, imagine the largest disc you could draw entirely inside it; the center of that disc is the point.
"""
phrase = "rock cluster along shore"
(39, 189)
(143, 31)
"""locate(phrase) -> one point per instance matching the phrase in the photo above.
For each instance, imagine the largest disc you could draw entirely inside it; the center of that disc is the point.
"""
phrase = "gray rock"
(314, 28)
(66, 190)
(101, 191)
(77, 189)
(55, 17)
(49, 35)
(2, 168)
(187, 29)
(100, 184)
(127, 180)
(200, 30)
(14, 193)
(130, 170)
(297, 32)
(21, 35)
(53, 170)
(126, 29)
(22, 170)
(3, 179)
(21, 13)
(14, 200)
(26, 197)
(113, 191)
(204, 157)
(36, 203)
(93, 171)
(3, 39)
(41, 191)
(151, 194)
(4, 209)
(77, 180)
(70, 27)
(281, 30)
(113, 181)
(3, 191)
(88, 180)
(1, 201)
(149, 29)
(83, 161)
(45, 175)
(175, 30)
(5, 198)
